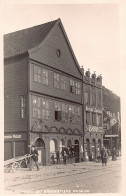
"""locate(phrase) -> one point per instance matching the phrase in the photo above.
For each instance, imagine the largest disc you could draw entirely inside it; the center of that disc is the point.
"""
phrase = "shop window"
(23, 106)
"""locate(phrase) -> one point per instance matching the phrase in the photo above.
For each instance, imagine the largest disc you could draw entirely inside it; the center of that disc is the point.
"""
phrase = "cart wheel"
(16, 166)
(7, 169)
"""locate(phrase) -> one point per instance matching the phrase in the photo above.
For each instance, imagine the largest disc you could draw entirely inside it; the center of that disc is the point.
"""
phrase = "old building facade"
(45, 92)
(93, 115)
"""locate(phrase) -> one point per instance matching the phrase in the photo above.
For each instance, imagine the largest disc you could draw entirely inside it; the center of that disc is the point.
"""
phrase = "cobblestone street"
(84, 177)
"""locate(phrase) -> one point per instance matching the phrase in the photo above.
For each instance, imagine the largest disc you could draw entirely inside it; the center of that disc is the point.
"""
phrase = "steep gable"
(55, 51)
(20, 42)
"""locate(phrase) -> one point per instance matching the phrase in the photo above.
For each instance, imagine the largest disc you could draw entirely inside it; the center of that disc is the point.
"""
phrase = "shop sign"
(14, 136)
(91, 109)
(8, 137)
(91, 128)
(17, 136)
(111, 135)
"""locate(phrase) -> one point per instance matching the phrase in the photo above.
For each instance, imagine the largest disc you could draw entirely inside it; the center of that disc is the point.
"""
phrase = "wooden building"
(43, 91)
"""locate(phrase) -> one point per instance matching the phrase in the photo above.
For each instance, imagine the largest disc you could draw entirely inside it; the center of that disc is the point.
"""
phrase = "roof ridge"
(31, 27)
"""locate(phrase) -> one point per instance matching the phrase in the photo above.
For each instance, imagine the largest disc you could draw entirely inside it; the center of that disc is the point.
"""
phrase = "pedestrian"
(34, 158)
(105, 157)
(114, 154)
(53, 159)
(64, 157)
(58, 157)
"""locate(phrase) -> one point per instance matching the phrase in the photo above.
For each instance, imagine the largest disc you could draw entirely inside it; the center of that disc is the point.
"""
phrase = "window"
(63, 82)
(56, 80)
(41, 75)
(99, 119)
(86, 95)
(64, 112)
(93, 118)
(45, 79)
(71, 113)
(58, 116)
(23, 106)
(40, 107)
(77, 114)
(92, 96)
(45, 108)
(74, 87)
(98, 97)
(37, 74)
(88, 117)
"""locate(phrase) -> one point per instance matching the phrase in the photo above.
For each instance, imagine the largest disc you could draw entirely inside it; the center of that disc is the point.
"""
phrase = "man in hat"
(34, 157)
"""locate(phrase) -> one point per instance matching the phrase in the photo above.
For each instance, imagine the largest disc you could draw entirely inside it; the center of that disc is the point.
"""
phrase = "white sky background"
(93, 31)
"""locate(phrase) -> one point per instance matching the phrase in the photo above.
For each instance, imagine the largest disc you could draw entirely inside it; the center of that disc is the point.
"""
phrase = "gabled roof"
(20, 42)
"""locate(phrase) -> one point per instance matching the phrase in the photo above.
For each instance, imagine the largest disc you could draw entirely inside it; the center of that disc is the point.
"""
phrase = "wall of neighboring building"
(15, 87)
(93, 116)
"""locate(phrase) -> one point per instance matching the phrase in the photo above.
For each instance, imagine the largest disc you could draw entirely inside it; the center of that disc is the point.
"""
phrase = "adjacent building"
(93, 115)
(49, 102)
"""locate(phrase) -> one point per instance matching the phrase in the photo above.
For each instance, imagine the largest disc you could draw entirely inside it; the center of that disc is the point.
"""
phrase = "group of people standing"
(68, 154)
(105, 155)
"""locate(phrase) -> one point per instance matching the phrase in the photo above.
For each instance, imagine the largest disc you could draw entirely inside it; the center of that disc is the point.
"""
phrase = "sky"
(92, 29)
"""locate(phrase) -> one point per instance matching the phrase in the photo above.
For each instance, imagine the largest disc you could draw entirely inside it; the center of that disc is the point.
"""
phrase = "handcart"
(15, 163)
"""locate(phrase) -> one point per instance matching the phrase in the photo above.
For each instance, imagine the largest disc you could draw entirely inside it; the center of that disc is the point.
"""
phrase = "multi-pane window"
(93, 118)
(45, 78)
(88, 117)
(41, 75)
(63, 82)
(59, 81)
(37, 74)
(93, 97)
(77, 114)
(71, 113)
(99, 119)
(23, 106)
(98, 97)
(74, 86)
(56, 80)
(64, 112)
(86, 95)
(45, 108)
(58, 113)
(67, 113)
(40, 107)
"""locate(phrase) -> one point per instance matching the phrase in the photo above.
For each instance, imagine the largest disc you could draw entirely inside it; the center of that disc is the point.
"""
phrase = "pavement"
(46, 172)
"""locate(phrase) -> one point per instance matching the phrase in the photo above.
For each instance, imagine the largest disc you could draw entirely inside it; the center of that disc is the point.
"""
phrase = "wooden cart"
(15, 163)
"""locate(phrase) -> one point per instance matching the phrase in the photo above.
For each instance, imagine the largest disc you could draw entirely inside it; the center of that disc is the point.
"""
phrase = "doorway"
(40, 145)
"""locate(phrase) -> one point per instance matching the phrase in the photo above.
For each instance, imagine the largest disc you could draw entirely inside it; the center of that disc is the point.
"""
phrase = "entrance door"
(93, 150)
(40, 145)
(76, 150)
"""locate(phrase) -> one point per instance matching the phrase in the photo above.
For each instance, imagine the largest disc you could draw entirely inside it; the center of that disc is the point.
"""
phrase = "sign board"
(111, 135)
(93, 109)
